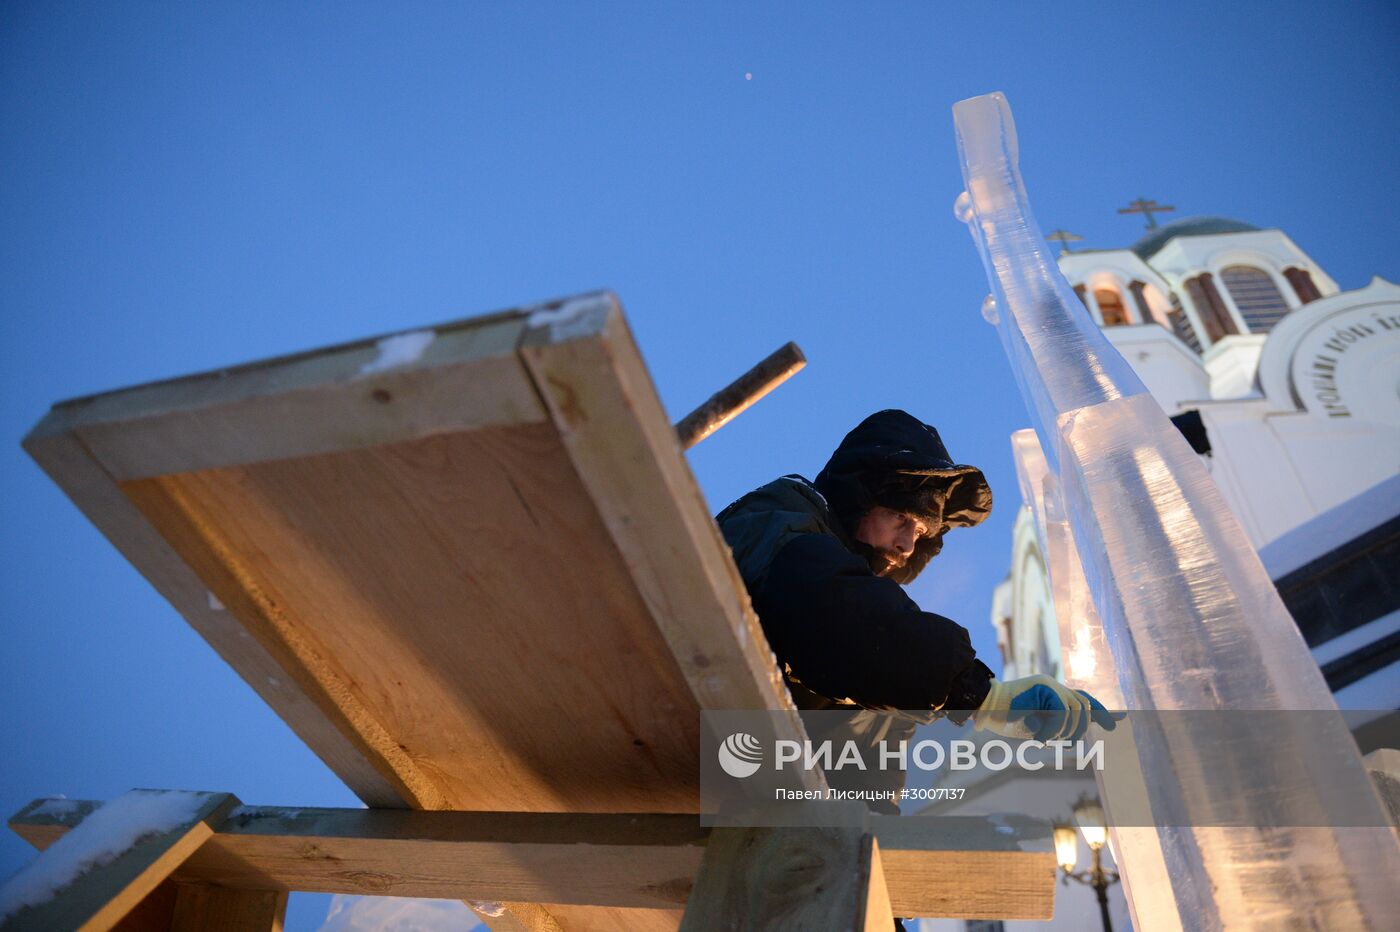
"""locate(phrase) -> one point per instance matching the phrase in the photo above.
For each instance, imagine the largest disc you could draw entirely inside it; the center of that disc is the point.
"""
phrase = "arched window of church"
(1181, 325)
(1111, 306)
(1256, 295)
(1303, 284)
(1210, 307)
(1139, 292)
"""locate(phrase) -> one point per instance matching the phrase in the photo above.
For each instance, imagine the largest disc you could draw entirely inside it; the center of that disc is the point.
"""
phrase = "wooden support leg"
(790, 878)
(153, 914)
(98, 873)
(202, 907)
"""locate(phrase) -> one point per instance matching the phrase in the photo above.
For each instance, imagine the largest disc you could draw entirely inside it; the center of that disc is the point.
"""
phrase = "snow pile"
(574, 317)
(55, 807)
(401, 349)
(102, 837)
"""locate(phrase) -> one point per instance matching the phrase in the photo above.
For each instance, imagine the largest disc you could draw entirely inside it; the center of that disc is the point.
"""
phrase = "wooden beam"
(622, 444)
(951, 866)
(790, 878)
(81, 883)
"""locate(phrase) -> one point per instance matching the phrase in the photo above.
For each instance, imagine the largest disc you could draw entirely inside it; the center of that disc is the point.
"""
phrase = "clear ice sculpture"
(1188, 616)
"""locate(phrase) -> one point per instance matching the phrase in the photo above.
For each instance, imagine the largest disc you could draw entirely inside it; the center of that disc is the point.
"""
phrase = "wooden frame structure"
(471, 569)
(635, 863)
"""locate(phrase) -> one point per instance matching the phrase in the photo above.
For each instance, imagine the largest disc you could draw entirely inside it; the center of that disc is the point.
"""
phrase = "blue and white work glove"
(1040, 708)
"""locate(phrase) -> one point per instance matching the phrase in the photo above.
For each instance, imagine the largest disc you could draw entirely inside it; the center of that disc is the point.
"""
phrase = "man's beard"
(881, 562)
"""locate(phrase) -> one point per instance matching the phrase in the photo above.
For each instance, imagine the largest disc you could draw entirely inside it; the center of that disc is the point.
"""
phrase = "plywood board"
(467, 564)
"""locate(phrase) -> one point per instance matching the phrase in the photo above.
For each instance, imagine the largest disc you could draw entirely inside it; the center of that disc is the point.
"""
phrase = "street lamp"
(1088, 815)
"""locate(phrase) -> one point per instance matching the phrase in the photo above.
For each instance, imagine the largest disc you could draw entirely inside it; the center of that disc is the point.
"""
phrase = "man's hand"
(1041, 708)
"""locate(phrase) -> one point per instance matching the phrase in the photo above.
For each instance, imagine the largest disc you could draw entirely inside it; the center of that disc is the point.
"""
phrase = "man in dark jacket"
(824, 563)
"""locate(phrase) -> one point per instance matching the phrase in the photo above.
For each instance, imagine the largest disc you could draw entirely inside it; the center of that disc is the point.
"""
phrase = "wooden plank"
(467, 376)
(70, 465)
(260, 611)
(202, 907)
(969, 867)
(790, 878)
(394, 635)
(449, 617)
(81, 883)
(581, 859)
(44, 821)
(621, 442)
(462, 376)
(645, 865)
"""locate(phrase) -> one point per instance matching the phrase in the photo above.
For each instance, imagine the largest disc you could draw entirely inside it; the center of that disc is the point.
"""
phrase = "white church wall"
(1172, 373)
(1336, 461)
(1331, 529)
(1002, 616)
(1036, 637)
(1253, 470)
(1232, 363)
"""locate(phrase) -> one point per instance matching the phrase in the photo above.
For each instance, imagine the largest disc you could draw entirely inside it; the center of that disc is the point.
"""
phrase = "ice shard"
(1184, 607)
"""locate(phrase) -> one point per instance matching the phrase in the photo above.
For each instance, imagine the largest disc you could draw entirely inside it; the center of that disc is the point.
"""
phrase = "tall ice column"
(1189, 615)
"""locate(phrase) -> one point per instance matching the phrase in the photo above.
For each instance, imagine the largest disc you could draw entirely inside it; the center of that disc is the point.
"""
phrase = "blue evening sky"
(185, 186)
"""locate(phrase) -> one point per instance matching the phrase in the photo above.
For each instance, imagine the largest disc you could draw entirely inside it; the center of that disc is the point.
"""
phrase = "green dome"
(1152, 243)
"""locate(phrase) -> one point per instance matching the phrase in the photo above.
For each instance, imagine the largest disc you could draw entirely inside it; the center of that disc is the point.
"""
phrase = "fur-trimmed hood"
(895, 460)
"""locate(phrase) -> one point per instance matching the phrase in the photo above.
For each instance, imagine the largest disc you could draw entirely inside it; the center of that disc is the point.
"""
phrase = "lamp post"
(1088, 814)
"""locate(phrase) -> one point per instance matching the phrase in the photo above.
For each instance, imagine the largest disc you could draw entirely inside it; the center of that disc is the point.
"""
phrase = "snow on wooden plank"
(96, 873)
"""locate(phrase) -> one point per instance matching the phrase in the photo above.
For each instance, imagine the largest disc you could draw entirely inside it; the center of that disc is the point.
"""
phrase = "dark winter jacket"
(844, 636)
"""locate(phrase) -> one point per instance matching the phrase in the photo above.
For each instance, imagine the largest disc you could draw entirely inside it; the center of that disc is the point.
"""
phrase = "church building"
(1289, 389)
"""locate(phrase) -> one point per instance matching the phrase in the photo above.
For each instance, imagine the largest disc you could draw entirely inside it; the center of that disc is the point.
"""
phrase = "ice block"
(1187, 612)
